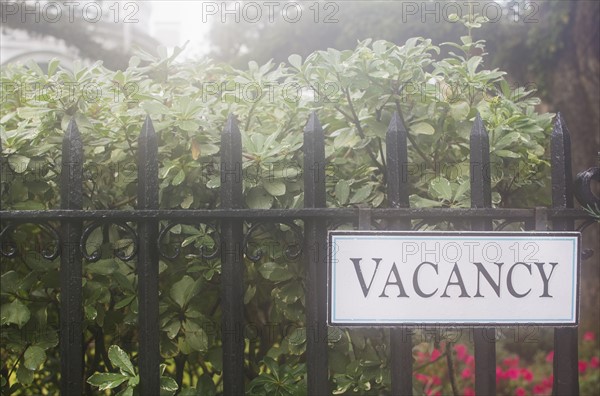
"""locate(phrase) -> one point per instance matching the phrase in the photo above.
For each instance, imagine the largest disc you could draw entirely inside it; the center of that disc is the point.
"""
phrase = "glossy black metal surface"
(565, 361)
(481, 197)
(71, 307)
(147, 269)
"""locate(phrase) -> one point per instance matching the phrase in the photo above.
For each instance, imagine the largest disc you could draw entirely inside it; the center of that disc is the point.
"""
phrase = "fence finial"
(560, 147)
(480, 166)
(397, 161)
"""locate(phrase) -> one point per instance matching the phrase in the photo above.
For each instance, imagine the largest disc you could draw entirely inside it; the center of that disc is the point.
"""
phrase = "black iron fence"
(231, 215)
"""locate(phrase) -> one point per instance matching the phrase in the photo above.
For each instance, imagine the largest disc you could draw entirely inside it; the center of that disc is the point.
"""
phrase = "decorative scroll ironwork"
(583, 189)
(9, 248)
(205, 252)
(290, 252)
(118, 252)
(503, 224)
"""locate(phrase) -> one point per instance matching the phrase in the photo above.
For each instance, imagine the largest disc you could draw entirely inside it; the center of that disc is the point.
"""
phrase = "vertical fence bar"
(566, 380)
(481, 197)
(315, 251)
(397, 195)
(71, 297)
(147, 270)
(232, 270)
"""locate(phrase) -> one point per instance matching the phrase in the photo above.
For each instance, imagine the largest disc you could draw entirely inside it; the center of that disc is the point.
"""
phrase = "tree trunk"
(574, 90)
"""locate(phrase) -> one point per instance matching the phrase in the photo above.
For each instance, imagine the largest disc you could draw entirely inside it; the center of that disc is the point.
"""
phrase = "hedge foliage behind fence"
(354, 92)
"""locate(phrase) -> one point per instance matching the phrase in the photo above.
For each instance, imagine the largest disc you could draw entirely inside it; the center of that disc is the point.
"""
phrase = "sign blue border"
(574, 237)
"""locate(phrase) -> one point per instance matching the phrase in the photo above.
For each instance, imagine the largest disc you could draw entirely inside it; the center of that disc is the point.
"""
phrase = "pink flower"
(520, 392)
(435, 354)
(550, 357)
(594, 362)
(469, 392)
(470, 361)
(511, 362)
(422, 377)
(461, 351)
(538, 389)
(512, 373)
(436, 380)
(499, 375)
(589, 336)
(527, 374)
(582, 366)
(466, 373)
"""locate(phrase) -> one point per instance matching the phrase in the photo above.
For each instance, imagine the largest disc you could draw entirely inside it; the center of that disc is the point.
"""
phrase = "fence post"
(232, 269)
(147, 270)
(481, 197)
(397, 195)
(71, 297)
(566, 376)
(315, 252)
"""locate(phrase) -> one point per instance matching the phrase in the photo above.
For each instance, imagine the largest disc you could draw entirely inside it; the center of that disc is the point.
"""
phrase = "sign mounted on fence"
(454, 278)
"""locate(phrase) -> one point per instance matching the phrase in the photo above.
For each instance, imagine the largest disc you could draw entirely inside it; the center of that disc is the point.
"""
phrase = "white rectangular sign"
(471, 278)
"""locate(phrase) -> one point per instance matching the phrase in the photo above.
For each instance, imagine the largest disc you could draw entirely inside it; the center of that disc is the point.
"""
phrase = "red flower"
(469, 392)
(537, 389)
(582, 366)
(589, 336)
(499, 375)
(470, 361)
(461, 351)
(512, 373)
(434, 355)
(527, 374)
(422, 377)
(550, 356)
(511, 362)
(466, 373)
(594, 362)
(520, 392)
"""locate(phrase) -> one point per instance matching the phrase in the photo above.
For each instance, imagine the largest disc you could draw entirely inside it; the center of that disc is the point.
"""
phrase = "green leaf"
(507, 154)
(197, 339)
(119, 358)
(472, 64)
(168, 384)
(15, 312)
(295, 60)
(275, 272)
(9, 282)
(441, 188)
(125, 302)
(102, 267)
(34, 357)
(459, 110)
(18, 163)
(126, 392)
(29, 205)
(107, 380)
(183, 291)
(205, 386)
(258, 198)
(422, 128)
(361, 194)
(342, 191)
(275, 188)
(179, 178)
(24, 375)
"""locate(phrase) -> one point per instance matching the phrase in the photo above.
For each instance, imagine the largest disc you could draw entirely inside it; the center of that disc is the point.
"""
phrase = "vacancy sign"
(453, 278)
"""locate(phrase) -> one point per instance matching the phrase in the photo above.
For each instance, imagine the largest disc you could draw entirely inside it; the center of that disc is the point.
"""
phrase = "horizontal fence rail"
(315, 215)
